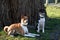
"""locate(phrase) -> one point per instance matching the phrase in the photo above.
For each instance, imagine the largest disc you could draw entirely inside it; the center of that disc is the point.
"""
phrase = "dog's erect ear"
(24, 17)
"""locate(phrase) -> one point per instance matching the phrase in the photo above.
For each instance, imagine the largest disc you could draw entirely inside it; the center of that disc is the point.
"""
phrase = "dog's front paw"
(42, 31)
(37, 34)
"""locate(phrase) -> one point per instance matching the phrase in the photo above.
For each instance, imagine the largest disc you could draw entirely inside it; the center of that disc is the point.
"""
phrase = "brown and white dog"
(41, 22)
(19, 28)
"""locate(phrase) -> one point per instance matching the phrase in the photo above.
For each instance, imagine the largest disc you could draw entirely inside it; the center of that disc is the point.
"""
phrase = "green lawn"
(52, 27)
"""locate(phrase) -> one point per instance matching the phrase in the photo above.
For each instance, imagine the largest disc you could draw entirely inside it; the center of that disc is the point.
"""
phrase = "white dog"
(41, 22)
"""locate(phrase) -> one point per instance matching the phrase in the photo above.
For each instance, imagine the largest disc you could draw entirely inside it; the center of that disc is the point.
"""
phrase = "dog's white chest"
(42, 20)
(25, 29)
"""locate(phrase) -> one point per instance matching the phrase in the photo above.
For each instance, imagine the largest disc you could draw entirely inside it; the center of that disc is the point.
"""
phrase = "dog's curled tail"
(6, 29)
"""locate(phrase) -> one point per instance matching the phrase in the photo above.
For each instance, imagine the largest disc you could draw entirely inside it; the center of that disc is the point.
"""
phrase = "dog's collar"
(41, 17)
(24, 25)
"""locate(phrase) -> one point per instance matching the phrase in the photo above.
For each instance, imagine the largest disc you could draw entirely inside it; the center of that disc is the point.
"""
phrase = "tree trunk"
(12, 10)
(56, 1)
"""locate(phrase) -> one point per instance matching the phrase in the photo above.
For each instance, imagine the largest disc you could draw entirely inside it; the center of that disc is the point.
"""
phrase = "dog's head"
(24, 20)
(42, 15)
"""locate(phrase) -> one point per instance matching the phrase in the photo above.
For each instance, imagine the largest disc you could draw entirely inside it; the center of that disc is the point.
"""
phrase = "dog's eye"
(24, 19)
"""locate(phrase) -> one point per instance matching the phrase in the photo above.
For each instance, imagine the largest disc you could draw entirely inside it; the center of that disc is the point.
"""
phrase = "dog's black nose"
(26, 21)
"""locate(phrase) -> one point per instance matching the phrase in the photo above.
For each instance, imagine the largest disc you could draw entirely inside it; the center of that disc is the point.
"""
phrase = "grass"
(51, 28)
(53, 12)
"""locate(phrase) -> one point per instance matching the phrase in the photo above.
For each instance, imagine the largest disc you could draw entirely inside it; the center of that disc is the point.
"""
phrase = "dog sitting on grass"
(41, 22)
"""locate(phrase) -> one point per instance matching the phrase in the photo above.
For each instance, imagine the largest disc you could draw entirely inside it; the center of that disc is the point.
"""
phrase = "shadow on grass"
(52, 29)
